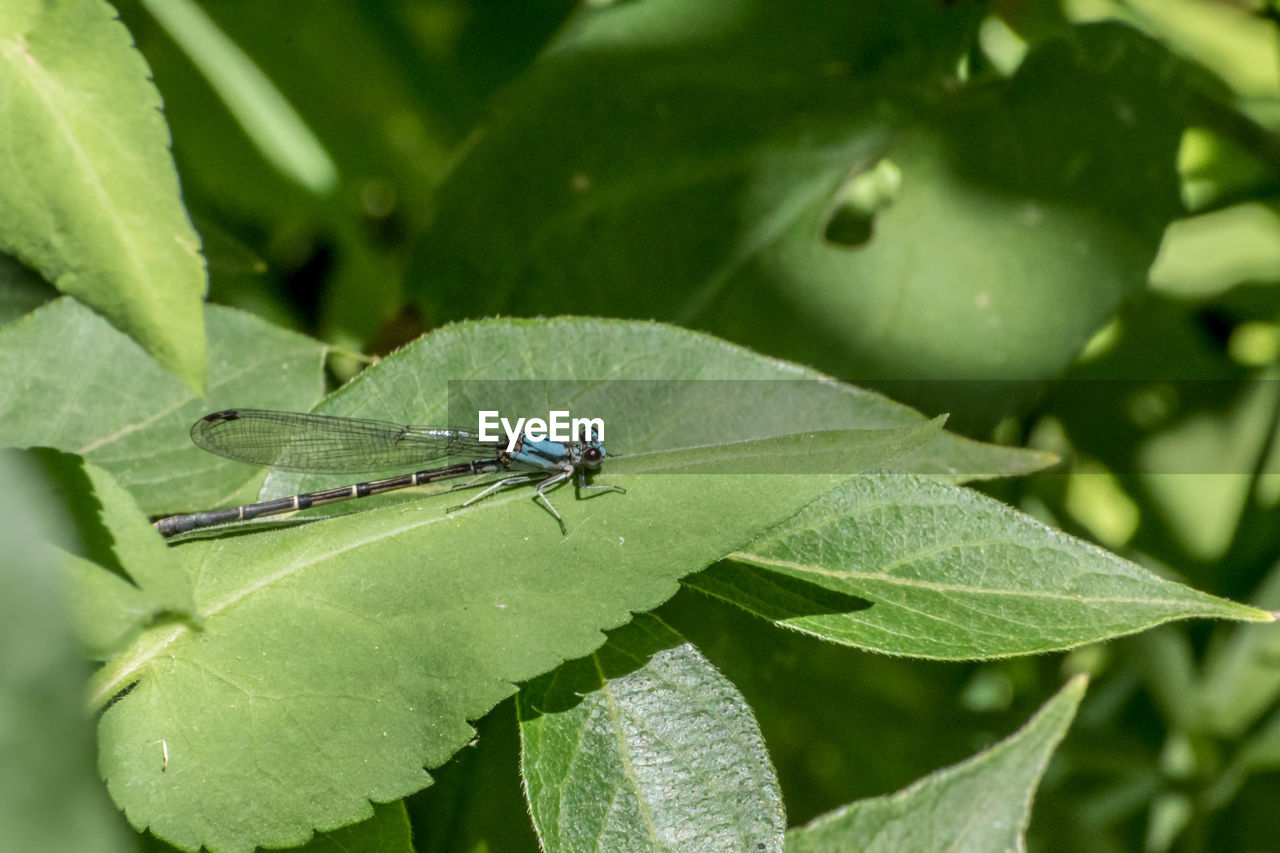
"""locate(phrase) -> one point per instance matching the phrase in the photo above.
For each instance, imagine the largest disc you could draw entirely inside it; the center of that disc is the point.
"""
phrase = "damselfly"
(326, 444)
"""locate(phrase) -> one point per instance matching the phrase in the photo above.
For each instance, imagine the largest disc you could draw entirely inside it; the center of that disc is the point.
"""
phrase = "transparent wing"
(326, 444)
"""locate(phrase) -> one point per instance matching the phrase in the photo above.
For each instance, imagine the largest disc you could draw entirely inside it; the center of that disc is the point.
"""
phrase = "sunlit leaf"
(387, 831)
(137, 427)
(644, 746)
(347, 654)
(121, 574)
(715, 180)
(88, 192)
(905, 566)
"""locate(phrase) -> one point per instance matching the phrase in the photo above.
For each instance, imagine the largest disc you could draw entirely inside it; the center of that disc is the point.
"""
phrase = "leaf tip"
(1076, 685)
(1046, 458)
(1248, 613)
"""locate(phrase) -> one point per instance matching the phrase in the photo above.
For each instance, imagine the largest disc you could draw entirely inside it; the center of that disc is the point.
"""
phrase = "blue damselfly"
(327, 444)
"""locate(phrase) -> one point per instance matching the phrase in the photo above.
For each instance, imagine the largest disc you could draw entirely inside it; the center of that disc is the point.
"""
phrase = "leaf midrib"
(121, 671)
(934, 586)
(40, 85)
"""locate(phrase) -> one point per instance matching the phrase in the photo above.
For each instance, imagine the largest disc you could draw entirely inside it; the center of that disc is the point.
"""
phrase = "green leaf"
(50, 797)
(841, 724)
(982, 804)
(708, 129)
(121, 574)
(107, 610)
(137, 427)
(843, 449)
(645, 746)
(388, 831)
(88, 193)
(711, 172)
(112, 531)
(351, 652)
(968, 460)
(905, 566)
(696, 390)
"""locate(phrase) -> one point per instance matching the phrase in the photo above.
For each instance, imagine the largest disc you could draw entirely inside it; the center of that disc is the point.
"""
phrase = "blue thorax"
(551, 455)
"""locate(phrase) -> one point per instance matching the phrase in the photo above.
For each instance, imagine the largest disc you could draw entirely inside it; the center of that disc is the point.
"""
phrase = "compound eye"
(592, 457)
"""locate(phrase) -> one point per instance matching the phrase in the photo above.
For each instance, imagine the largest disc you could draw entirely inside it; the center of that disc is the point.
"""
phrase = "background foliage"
(1057, 222)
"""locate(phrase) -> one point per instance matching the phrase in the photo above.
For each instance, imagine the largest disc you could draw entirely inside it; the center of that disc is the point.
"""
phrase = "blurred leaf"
(385, 590)
(1169, 673)
(1227, 156)
(1097, 501)
(709, 129)
(906, 566)
(385, 104)
(1204, 256)
(50, 798)
(381, 107)
(982, 804)
(1163, 367)
(122, 575)
(111, 530)
(475, 802)
(1260, 750)
(1182, 427)
(20, 290)
(266, 116)
(1198, 470)
(1241, 676)
(225, 253)
(1238, 47)
(107, 610)
(138, 431)
(239, 277)
(704, 176)
(953, 282)
(88, 193)
(645, 746)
